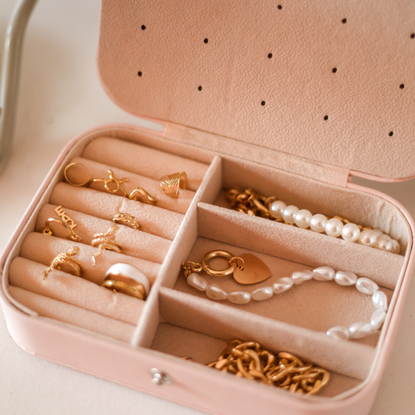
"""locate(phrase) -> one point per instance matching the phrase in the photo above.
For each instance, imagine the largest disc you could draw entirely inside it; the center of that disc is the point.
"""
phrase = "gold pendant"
(254, 270)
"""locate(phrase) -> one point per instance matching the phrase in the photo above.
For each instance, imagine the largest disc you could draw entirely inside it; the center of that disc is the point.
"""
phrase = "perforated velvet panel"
(331, 81)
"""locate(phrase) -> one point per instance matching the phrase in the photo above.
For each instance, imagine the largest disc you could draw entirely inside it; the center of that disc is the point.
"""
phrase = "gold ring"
(136, 193)
(72, 234)
(172, 183)
(65, 258)
(126, 279)
(65, 173)
(126, 219)
(232, 261)
(105, 241)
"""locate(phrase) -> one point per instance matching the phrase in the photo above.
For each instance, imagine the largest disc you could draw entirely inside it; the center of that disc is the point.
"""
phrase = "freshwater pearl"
(350, 232)
(239, 297)
(262, 293)
(283, 284)
(276, 209)
(338, 332)
(384, 242)
(396, 247)
(214, 292)
(318, 222)
(377, 232)
(197, 281)
(300, 276)
(377, 319)
(333, 227)
(302, 218)
(289, 213)
(323, 274)
(359, 330)
(380, 301)
(345, 278)
(366, 286)
(368, 237)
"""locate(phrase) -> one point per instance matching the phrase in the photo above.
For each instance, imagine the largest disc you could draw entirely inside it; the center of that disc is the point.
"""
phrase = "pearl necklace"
(251, 203)
(364, 285)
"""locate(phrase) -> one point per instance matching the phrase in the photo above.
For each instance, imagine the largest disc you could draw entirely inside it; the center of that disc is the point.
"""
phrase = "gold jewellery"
(105, 241)
(126, 279)
(127, 220)
(171, 184)
(72, 265)
(111, 185)
(254, 204)
(66, 222)
(283, 370)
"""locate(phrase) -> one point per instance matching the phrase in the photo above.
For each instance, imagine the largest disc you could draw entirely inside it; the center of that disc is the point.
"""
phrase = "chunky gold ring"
(232, 261)
(65, 258)
(126, 279)
(172, 183)
(72, 234)
(140, 192)
(126, 219)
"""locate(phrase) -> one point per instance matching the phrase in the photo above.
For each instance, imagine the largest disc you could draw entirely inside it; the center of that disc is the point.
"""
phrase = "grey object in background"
(10, 76)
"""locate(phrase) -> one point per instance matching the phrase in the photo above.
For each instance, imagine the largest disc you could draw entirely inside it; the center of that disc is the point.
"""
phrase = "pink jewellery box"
(291, 100)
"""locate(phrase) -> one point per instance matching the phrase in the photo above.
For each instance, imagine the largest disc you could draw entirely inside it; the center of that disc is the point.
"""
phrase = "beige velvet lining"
(204, 349)
(176, 230)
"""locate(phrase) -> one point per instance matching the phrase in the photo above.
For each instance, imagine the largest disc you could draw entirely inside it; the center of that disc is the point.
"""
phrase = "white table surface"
(60, 97)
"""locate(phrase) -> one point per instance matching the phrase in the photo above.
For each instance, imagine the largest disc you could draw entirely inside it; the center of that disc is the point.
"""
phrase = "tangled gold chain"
(284, 370)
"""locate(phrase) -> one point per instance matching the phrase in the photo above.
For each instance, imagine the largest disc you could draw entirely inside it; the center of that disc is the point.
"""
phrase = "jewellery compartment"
(245, 97)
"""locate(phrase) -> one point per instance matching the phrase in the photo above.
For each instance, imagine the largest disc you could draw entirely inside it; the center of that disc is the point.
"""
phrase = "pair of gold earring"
(170, 184)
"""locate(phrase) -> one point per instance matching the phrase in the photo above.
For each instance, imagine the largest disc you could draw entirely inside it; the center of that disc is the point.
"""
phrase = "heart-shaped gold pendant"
(254, 270)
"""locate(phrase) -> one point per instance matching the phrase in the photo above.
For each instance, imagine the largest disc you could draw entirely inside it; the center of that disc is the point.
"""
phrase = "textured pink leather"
(219, 85)
(154, 220)
(78, 292)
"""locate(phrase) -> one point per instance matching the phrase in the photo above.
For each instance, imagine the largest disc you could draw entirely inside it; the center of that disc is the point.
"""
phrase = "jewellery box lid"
(331, 81)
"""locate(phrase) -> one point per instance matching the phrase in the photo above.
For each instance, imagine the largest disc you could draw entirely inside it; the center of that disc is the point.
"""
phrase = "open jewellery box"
(290, 99)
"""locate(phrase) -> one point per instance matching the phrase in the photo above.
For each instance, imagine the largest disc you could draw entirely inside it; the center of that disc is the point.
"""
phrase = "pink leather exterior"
(194, 385)
(373, 54)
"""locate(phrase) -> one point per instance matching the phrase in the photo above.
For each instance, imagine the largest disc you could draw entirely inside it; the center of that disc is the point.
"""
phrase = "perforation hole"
(269, 55)
(262, 103)
(140, 73)
(279, 7)
(326, 117)
(390, 133)
(206, 40)
(402, 86)
(412, 35)
(344, 21)
(334, 70)
(143, 27)
(200, 88)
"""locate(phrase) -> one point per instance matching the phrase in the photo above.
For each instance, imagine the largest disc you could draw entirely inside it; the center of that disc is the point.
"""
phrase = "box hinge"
(322, 172)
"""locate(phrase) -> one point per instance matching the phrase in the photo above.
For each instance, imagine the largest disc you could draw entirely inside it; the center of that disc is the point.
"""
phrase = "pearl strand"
(333, 227)
(344, 278)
